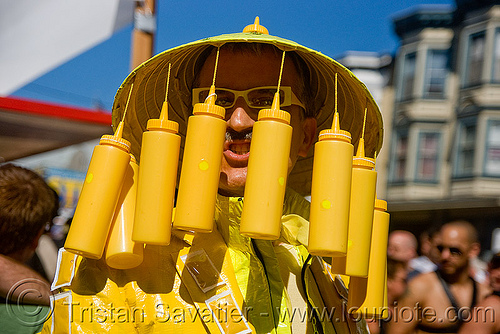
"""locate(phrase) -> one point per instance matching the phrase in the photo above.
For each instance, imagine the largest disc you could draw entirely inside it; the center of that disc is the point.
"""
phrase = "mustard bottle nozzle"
(256, 27)
(360, 160)
(116, 139)
(360, 152)
(276, 101)
(211, 96)
(208, 107)
(336, 122)
(275, 113)
(119, 130)
(164, 111)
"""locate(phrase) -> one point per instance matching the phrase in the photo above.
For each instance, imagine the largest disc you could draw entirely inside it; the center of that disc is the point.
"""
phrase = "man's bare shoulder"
(422, 283)
(492, 301)
(483, 291)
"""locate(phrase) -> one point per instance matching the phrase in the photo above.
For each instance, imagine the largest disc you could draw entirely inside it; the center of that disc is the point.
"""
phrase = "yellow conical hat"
(149, 81)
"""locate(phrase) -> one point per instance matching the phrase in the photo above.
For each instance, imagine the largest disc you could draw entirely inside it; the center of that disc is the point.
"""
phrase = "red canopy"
(29, 127)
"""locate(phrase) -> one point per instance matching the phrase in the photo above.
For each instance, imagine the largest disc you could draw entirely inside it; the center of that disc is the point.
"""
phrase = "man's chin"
(234, 187)
(231, 192)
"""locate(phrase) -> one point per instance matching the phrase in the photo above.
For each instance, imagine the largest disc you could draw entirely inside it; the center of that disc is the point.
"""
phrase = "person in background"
(402, 246)
(448, 292)
(429, 254)
(486, 318)
(27, 206)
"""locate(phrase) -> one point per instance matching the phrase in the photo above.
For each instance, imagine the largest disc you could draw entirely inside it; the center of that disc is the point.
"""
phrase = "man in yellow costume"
(235, 284)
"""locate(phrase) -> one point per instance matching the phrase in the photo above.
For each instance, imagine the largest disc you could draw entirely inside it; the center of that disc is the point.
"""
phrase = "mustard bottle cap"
(256, 28)
(380, 205)
(335, 133)
(360, 160)
(209, 107)
(163, 123)
(116, 140)
(331, 134)
(160, 124)
(275, 113)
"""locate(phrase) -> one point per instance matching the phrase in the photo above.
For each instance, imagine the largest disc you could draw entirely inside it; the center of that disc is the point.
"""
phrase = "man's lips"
(237, 151)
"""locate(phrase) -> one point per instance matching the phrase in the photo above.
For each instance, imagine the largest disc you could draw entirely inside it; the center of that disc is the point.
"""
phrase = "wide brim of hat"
(149, 85)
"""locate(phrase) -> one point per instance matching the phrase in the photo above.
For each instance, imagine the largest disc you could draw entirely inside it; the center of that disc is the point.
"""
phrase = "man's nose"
(239, 119)
(445, 254)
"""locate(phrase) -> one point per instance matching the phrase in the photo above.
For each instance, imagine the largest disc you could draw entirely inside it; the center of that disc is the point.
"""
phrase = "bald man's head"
(457, 246)
(402, 245)
(470, 230)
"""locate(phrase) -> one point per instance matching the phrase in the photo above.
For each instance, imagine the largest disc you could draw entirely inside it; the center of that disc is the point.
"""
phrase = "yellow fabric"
(161, 295)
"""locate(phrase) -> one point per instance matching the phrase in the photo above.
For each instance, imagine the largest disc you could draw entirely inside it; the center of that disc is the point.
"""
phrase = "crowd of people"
(438, 285)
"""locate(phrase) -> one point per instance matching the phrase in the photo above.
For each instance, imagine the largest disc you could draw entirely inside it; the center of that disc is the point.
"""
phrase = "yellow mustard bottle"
(331, 192)
(92, 219)
(200, 172)
(121, 251)
(267, 174)
(385, 309)
(364, 179)
(157, 180)
(372, 303)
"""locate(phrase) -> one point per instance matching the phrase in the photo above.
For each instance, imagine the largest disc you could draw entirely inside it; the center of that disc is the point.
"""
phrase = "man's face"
(400, 247)
(241, 71)
(454, 249)
(495, 278)
(434, 254)
(396, 286)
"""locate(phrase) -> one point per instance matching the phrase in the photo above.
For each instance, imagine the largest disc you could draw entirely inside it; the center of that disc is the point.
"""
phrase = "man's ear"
(475, 249)
(34, 243)
(309, 129)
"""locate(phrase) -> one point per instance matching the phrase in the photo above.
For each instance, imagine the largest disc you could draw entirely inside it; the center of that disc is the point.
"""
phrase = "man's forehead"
(260, 68)
(454, 234)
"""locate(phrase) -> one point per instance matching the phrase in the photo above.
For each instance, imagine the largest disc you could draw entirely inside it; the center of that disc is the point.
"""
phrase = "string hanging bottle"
(267, 172)
(366, 295)
(89, 229)
(363, 187)
(331, 190)
(121, 251)
(157, 178)
(200, 172)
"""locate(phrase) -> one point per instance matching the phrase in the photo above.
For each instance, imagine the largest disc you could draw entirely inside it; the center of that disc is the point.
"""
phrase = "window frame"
(426, 94)
(466, 82)
(487, 146)
(437, 157)
(495, 61)
(394, 165)
(404, 94)
(462, 125)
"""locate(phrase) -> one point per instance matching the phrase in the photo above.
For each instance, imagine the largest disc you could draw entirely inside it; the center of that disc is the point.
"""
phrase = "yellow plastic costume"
(220, 282)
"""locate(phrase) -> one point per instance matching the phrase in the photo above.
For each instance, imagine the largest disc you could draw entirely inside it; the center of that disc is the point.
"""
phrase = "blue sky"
(331, 27)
